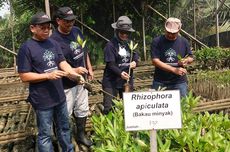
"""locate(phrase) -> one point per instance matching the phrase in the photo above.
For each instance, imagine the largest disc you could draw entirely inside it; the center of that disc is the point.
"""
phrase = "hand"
(76, 77)
(180, 71)
(81, 79)
(125, 75)
(183, 62)
(56, 74)
(90, 75)
(81, 70)
(133, 65)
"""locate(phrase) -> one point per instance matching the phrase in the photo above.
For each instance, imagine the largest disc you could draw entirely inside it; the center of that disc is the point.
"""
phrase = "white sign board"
(152, 110)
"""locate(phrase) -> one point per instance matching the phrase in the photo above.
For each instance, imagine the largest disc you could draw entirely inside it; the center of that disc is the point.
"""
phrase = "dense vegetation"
(201, 132)
(213, 58)
(98, 14)
(222, 78)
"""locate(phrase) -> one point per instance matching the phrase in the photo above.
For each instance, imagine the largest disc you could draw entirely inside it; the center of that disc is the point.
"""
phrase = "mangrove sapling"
(82, 43)
(213, 58)
(110, 135)
(132, 47)
(181, 60)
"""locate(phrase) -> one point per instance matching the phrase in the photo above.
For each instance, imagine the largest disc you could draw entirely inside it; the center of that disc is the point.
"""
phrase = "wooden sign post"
(153, 140)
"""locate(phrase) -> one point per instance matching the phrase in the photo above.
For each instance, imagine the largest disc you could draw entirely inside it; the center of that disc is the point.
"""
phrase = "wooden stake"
(153, 140)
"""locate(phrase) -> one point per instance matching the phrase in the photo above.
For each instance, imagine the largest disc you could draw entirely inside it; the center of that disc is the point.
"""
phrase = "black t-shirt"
(118, 54)
(167, 51)
(72, 51)
(41, 57)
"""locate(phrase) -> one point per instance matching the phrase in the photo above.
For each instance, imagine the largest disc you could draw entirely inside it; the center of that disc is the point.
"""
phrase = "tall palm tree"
(205, 19)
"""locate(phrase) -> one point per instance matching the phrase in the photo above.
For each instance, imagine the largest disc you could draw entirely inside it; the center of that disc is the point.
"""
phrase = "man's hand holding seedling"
(184, 61)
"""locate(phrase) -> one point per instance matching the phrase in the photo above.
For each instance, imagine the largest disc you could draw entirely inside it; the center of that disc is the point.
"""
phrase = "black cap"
(65, 13)
(40, 18)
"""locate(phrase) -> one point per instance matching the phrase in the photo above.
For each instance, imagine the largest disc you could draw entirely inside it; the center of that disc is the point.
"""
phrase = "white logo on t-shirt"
(75, 47)
(170, 55)
(49, 56)
(124, 54)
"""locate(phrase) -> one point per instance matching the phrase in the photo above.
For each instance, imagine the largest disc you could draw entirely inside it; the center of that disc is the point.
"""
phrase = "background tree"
(98, 14)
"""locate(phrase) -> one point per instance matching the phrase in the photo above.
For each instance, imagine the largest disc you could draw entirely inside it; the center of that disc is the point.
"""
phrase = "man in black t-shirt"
(67, 35)
(41, 63)
(170, 54)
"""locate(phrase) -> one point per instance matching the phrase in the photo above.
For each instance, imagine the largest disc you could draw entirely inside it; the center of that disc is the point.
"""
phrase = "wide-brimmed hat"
(65, 13)
(123, 23)
(173, 25)
(40, 18)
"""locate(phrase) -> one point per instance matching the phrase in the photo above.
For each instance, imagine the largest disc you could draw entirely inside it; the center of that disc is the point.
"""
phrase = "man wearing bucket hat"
(66, 35)
(170, 54)
(41, 63)
(117, 56)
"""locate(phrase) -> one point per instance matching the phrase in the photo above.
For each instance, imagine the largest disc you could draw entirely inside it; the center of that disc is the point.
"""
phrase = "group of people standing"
(57, 67)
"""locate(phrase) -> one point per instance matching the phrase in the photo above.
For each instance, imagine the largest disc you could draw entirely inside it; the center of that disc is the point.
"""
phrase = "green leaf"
(135, 46)
(179, 57)
(131, 47)
(79, 40)
(141, 143)
(83, 44)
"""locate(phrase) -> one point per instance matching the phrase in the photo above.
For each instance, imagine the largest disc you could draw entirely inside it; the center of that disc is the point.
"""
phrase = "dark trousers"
(110, 94)
(108, 97)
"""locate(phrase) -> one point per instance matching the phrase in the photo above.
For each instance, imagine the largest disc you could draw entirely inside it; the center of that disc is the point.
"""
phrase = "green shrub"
(110, 136)
(200, 132)
(213, 58)
(222, 78)
(96, 52)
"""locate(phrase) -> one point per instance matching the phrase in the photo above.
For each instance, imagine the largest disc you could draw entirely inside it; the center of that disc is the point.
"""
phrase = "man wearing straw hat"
(117, 56)
(171, 54)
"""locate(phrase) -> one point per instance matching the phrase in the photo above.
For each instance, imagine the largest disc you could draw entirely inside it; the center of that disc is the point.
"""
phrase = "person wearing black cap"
(66, 35)
(117, 56)
(170, 54)
(41, 63)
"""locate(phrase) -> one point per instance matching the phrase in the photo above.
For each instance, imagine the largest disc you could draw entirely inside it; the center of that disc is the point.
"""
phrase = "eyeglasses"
(124, 32)
(68, 21)
(43, 27)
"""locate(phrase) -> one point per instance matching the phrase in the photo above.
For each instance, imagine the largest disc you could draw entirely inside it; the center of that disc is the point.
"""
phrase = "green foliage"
(200, 132)
(81, 42)
(96, 52)
(184, 9)
(21, 33)
(222, 77)
(213, 58)
(110, 136)
(98, 15)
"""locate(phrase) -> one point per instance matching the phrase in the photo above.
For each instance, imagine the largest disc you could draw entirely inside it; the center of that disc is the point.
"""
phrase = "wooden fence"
(17, 117)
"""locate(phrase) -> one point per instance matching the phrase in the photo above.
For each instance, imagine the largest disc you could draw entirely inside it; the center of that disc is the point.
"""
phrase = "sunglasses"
(124, 32)
(172, 33)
